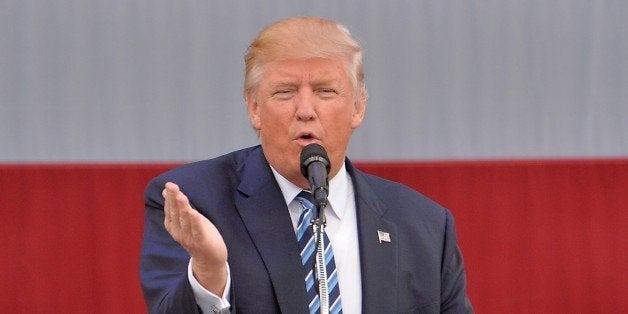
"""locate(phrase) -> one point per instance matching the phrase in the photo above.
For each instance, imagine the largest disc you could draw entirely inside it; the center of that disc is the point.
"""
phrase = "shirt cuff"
(207, 301)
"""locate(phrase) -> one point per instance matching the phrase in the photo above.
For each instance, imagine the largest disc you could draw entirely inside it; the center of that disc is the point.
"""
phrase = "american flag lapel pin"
(383, 236)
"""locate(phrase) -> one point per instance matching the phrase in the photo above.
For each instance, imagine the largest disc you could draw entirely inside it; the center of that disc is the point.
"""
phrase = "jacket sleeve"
(453, 278)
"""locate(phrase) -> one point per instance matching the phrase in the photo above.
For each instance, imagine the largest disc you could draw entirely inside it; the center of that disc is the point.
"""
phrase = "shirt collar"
(337, 189)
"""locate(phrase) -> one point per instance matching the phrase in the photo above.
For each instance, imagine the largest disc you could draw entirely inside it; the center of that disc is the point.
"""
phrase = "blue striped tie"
(307, 244)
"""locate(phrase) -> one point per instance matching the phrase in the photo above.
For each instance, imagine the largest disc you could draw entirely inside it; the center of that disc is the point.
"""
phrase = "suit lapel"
(266, 217)
(378, 261)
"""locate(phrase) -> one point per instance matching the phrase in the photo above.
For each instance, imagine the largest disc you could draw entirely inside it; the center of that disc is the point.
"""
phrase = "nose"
(305, 107)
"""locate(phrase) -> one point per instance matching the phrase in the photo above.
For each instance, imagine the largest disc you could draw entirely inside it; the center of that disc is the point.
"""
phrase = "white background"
(162, 80)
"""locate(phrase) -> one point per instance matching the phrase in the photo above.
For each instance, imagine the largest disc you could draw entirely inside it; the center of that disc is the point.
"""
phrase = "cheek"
(274, 125)
(346, 119)
(339, 128)
(263, 118)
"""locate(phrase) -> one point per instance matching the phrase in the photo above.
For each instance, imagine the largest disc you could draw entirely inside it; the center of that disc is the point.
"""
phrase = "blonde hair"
(303, 37)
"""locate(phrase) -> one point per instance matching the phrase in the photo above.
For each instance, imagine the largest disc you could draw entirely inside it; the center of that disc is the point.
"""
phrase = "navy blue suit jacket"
(419, 271)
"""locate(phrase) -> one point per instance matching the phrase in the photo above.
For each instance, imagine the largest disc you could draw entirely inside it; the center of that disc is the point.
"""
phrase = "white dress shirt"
(341, 229)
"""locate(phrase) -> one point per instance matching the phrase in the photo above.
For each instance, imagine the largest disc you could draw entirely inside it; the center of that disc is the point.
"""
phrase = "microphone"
(315, 168)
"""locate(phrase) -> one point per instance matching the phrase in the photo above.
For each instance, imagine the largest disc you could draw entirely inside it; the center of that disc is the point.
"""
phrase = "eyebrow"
(283, 84)
(335, 82)
(323, 82)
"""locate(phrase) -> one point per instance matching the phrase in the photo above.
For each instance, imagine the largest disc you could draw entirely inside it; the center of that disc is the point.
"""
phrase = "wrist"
(212, 277)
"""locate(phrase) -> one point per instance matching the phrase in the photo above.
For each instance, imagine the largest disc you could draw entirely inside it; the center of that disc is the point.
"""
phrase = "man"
(220, 234)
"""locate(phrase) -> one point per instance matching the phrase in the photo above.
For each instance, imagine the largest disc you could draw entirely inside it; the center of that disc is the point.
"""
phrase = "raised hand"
(199, 237)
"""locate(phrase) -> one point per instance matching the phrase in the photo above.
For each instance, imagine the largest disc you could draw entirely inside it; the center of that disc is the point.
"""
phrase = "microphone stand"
(318, 227)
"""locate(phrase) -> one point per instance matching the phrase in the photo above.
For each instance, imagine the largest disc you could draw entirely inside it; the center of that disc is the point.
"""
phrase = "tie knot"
(305, 198)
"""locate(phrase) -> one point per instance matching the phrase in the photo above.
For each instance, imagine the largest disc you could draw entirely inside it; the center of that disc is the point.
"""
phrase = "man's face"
(304, 101)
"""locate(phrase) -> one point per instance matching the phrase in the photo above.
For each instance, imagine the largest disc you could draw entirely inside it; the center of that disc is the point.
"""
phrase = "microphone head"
(311, 153)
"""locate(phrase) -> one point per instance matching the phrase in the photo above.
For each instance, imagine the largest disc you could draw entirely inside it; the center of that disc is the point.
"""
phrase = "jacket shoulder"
(399, 199)
(202, 175)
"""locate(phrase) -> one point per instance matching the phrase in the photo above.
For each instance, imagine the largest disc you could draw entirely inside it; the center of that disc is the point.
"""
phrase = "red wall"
(537, 236)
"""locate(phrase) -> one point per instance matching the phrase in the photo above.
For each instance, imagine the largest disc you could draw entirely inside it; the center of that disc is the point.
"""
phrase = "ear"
(253, 111)
(360, 110)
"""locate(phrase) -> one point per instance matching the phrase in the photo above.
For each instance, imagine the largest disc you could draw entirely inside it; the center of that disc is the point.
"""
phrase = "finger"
(167, 214)
(172, 191)
(196, 225)
(169, 190)
(171, 218)
(184, 210)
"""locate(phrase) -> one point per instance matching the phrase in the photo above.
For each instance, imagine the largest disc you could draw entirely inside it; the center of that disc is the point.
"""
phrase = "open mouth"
(307, 136)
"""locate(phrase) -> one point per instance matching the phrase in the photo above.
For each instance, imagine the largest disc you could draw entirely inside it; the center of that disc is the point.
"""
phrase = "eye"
(326, 92)
(283, 94)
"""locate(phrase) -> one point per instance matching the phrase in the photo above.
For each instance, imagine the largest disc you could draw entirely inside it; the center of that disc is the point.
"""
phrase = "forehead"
(310, 69)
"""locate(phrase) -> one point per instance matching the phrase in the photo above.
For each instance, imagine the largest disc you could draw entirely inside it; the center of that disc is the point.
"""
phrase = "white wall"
(161, 80)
